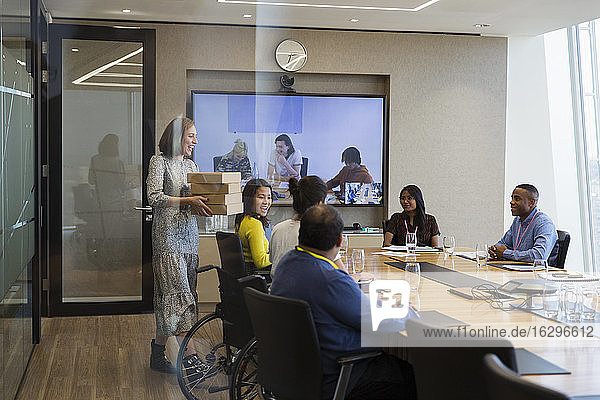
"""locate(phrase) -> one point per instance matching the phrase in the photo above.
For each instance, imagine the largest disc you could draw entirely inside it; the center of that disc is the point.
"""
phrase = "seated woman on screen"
(412, 219)
(285, 161)
(352, 172)
(307, 192)
(236, 160)
(250, 225)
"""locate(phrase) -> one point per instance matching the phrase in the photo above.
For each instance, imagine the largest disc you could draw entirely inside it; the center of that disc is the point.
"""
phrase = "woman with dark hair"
(352, 172)
(251, 224)
(175, 241)
(306, 192)
(285, 160)
(412, 219)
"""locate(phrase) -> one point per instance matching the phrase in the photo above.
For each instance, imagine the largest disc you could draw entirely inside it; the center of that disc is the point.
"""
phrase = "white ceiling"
(506, 17)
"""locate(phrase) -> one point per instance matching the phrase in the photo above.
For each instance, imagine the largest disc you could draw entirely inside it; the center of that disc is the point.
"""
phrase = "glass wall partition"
(17, 194)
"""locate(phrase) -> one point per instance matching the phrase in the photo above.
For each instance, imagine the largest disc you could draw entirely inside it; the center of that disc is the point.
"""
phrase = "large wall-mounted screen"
(320, 128)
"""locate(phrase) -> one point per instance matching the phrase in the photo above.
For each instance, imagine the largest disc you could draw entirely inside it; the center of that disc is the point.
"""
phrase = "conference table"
(580, 357)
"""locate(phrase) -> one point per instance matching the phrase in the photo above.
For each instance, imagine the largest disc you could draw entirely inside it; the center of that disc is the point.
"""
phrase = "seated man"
(308, 273)
(532, 235)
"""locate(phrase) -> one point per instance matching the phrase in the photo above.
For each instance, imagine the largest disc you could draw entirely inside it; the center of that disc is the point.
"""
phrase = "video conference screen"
(238, 132)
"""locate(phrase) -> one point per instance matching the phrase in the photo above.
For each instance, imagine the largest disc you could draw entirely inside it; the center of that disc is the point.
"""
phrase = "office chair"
(216, 161)
(288, 351)
(304, 167)
(563, 246)
(502, 384)
(217, 338)
(456, 370)
(231, 253)
(384, 225)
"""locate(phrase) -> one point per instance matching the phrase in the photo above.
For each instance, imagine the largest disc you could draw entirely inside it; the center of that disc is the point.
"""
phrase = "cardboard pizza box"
(226, 209)
(232, 198)
(215, 188)
(214, 177)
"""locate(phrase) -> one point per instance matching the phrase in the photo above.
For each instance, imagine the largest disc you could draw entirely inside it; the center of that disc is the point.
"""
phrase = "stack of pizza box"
(222, 189)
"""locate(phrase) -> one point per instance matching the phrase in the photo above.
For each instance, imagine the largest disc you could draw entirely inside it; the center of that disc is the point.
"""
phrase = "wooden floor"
(104, 357)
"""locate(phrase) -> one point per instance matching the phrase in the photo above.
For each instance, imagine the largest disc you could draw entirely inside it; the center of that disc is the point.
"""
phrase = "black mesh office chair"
(503, 384)
(288, 349)
(216, 161)
(230, 251)
(563, 246)
(304, 167)
(454, 371)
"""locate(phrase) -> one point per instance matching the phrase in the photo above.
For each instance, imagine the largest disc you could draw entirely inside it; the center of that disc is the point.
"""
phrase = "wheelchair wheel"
(214, 358)
(244, 384)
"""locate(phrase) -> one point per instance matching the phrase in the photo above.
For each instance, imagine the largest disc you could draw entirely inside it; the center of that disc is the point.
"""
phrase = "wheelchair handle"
(205, 268)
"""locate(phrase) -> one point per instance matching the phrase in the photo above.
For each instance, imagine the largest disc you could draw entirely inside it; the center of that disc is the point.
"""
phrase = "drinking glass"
(210, 223)
(540, 269)
(344, 248)
(589, 297)
(411, 242)
(358, 260)
(481, 255)
(448, 243)
(551, 299)
(572, 302)
(412, 274)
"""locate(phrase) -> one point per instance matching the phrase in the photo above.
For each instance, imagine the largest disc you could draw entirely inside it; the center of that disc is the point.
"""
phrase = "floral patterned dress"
(175, 241)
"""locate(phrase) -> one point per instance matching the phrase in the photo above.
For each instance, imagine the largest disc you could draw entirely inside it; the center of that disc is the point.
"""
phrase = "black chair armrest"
(205, 268)
(352, 358)
(257, 282)
(347, 363)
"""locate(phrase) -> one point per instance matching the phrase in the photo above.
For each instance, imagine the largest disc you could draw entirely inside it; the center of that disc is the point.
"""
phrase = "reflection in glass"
(101, 170)
(17, 167)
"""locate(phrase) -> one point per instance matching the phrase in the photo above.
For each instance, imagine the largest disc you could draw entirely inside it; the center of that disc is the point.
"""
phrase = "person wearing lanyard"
(532, 235)
(337, 303)
(412, 219)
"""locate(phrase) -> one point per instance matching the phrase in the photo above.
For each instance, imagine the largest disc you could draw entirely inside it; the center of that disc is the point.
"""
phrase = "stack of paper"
(420, 249)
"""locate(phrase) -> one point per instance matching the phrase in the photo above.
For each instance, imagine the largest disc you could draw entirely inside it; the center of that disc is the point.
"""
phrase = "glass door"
(102, 136)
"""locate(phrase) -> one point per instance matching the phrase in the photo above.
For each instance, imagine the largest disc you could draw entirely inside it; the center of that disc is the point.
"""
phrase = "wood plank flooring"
(100, 357)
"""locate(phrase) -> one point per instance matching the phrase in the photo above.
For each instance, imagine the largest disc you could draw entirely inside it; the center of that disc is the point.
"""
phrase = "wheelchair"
(223, 342)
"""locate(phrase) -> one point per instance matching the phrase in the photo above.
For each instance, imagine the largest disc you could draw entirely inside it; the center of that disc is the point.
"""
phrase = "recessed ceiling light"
(74, 49)
(318, 5)
(353, 20)
(481, 25)
(247, 16)
(126, 10)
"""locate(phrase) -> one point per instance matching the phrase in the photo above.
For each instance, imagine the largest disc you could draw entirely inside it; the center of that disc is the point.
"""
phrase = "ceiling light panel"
(381, 5)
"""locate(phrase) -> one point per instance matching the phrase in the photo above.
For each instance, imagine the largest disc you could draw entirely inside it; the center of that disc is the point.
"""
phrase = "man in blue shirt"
(308, 273)
(532, 235)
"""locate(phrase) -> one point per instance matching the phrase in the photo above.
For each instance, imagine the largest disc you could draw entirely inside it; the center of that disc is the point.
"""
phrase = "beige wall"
(447, 96)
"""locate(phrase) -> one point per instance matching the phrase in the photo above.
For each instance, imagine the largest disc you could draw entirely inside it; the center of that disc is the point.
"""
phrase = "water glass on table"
(551, 300)
(344, 246)
(448, 244)
(481, 255)
(572, 302)
(411, 242)
(540, 269)
(412, 274)
(358, 261)
(589, 297)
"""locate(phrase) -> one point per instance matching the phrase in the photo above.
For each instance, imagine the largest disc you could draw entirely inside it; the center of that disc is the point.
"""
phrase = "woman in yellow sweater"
(251, 224)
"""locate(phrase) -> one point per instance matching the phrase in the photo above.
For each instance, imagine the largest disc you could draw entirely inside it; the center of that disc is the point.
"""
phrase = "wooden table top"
(581, 358)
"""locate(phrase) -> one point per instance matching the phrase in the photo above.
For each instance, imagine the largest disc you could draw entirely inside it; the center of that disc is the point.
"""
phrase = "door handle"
(147, 209)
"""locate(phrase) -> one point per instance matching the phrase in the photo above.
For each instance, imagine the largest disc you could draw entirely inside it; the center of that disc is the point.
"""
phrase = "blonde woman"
(236, 160)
